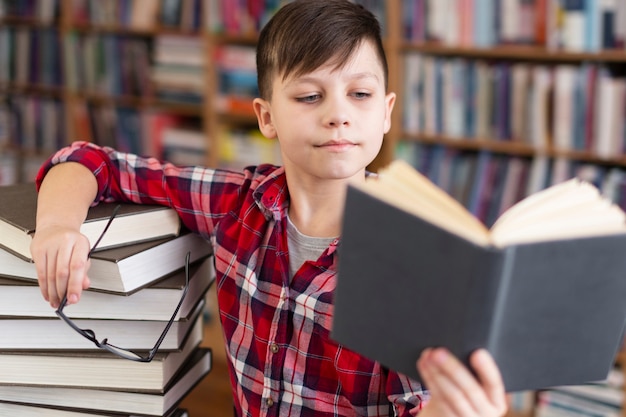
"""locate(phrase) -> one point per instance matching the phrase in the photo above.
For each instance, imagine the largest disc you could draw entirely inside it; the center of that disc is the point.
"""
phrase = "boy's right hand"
(61, 256)
(59, 250)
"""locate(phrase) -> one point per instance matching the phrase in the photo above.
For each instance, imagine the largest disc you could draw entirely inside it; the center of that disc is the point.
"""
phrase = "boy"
(322, 79)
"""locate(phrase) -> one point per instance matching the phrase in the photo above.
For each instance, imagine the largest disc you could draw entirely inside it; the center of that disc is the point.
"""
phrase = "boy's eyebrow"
(312, 79)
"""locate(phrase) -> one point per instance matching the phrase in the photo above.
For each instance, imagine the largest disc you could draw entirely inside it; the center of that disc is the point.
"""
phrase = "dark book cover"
(550, 313)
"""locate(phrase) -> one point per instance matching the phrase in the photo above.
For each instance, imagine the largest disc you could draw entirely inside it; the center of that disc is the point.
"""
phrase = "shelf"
(142, 102)
(38, 89)
(506, 147)
(517, 52)
(27, 22)
(511, 148)
(235, 39)
(129, 30)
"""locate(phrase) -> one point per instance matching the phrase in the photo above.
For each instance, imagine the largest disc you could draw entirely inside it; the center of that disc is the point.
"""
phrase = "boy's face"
(330, 122)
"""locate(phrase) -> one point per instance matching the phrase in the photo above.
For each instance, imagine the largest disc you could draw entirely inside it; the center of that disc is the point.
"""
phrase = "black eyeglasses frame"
(104, 344)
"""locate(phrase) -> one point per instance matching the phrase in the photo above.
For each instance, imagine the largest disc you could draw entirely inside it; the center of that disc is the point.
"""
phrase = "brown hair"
(306, 34)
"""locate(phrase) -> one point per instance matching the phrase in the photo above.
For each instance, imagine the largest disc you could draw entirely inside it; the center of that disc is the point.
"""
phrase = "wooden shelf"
(511, 147)
(141, 102)
(134, 31)
(516, 52)
(27, 22)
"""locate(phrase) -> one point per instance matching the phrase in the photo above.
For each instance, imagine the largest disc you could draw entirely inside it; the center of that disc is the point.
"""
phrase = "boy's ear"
(390, 100)
(264, 117)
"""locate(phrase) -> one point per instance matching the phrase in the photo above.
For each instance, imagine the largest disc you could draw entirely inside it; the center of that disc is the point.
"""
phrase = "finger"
(441, 372)
(51, 278)
(87, 281)
(39, 259)
(57, 283)
(77, 272)
(490, 378)
(42, 277)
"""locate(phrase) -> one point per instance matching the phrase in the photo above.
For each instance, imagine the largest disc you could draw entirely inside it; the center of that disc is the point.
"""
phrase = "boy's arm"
(455, 391)
(59, 250)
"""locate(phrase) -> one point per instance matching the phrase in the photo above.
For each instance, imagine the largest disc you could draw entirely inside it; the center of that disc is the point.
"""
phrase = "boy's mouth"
(337, 145)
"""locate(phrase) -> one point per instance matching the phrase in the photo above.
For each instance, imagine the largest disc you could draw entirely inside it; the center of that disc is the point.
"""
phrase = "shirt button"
(269, 402)
(274, 348)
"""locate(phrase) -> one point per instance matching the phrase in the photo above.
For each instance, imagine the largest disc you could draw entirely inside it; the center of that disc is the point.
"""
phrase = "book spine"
(483, 302)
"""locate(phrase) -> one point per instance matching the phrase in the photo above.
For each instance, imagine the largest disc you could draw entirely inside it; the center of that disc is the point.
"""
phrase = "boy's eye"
(361, 95)
(308, 99)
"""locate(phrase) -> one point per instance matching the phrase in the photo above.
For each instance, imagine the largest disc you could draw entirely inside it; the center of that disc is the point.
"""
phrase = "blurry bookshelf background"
(496, 98)
(172, 79)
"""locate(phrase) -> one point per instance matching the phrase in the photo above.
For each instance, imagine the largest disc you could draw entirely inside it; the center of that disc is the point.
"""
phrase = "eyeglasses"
(104, 343)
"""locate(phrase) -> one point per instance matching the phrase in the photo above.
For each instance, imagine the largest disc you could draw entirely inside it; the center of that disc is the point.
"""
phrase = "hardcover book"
(52, 334)
(543, 290)
(21, 298)
(27, 410)
(133, 222)
(95, 369)
(113, 401)
(125, 269)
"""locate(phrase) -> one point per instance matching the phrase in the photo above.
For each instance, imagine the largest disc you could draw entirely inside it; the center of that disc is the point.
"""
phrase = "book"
(125, 269)
(540, 290)
(133, 222)
(52, 334)
(94, 369)
(557, 404)
(22, 298)
(27, 410)
(112, 401)
(610, 391)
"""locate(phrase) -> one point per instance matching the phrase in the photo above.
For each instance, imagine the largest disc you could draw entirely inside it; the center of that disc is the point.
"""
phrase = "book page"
(571, 209)
(404, 187)
(553, 198)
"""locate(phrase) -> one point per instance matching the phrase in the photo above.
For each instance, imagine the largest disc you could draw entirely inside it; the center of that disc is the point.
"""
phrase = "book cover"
(550, 312)
(112, 401)
(133, 223)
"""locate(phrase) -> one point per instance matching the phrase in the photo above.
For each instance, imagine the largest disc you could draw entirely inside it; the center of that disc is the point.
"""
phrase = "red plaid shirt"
(282, 361)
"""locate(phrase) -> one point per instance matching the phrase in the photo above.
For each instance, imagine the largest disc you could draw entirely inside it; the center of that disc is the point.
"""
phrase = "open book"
(570, 209)
(543, 290)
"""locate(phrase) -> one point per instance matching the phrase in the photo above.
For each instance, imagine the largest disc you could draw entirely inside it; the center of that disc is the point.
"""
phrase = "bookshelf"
(535, 81)
(143, 76)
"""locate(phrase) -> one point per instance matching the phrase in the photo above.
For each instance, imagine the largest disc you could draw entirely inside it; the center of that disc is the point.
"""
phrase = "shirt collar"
(272, 198)
(271, 194)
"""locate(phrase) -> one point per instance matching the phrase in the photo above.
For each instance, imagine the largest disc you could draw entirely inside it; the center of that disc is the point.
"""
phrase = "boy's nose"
(336, 113)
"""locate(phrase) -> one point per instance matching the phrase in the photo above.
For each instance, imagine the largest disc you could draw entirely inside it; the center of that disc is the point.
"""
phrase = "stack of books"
(601, 399)
(138, 276)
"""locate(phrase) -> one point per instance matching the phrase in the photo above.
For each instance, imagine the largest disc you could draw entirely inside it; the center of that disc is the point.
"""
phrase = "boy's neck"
(317, 213)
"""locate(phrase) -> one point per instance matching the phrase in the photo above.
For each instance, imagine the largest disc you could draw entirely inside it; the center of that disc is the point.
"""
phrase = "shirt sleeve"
(405, 394)
(127, 177)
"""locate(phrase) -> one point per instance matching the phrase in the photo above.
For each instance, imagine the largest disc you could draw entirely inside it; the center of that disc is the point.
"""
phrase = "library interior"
(496, 100)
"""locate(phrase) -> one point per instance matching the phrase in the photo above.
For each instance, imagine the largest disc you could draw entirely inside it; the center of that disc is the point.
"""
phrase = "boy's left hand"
(454, 391)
